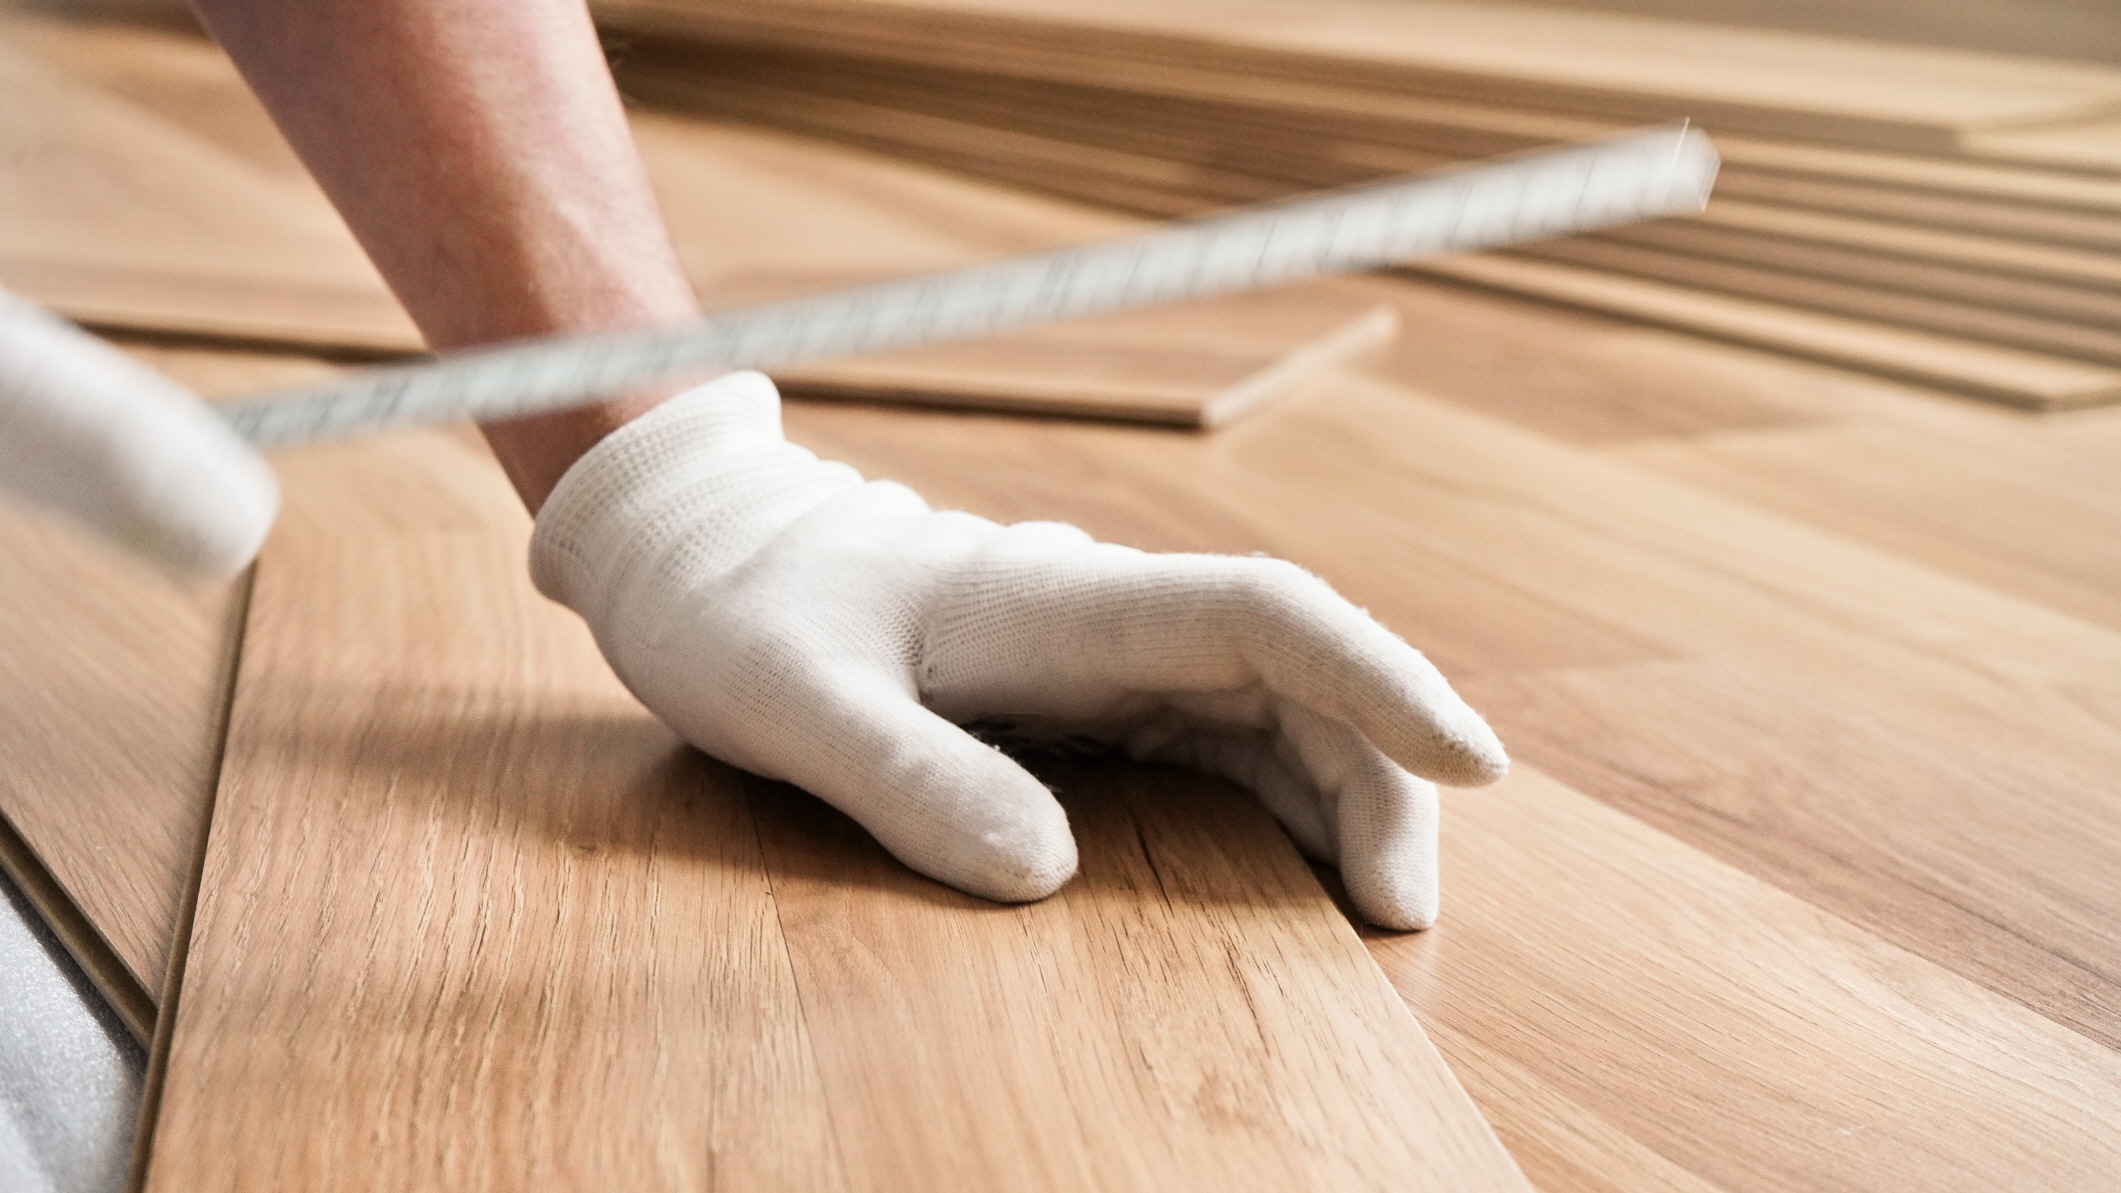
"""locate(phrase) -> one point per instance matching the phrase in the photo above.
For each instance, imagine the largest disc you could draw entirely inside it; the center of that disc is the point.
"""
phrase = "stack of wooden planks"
(1948, 217)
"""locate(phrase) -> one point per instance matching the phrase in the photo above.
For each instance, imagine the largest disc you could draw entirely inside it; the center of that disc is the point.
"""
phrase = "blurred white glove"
(791, 619)
(90, 434)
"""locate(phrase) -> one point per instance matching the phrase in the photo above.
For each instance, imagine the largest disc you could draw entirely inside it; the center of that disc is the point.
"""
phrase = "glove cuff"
(687, 485)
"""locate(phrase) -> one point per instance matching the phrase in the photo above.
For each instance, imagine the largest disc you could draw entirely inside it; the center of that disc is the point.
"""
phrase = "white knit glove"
(787, 617)
(88, 433)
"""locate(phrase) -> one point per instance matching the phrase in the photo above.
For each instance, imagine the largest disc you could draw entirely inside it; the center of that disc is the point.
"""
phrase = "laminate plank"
(118, 681)
(1145, 137)
(1723, 1028)
(1889, 829)
(1924, 311)
(1967, 674)
(1255, 111)
(1213, 966)
(1588, 379)
(468, 914)
(2092, 145)
(116, 687)
(173, 71)
(1995, 254)
(2008, 506)
(2011, 376)
(1194, 146)
(1884, 251)
(1446, 510)
(1659, 1055)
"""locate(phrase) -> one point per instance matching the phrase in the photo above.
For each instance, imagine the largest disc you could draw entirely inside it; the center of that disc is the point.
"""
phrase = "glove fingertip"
(1401, 902)
(1456, 748)
(1023, 853)
(1024, 870)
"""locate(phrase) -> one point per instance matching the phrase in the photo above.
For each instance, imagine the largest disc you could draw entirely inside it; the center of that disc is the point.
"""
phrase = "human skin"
(479, 151)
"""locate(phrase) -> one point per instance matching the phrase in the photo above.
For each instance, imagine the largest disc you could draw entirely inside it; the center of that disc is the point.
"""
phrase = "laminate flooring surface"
(1865, 750)
(1891, 772)
(1804, 879)
(470, 916)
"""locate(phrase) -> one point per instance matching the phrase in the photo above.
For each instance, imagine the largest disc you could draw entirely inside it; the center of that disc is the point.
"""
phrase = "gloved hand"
(787, 617)
(90, 434)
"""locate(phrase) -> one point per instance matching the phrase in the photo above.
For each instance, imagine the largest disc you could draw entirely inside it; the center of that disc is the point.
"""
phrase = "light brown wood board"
(2090, 145)
(1250, 115)
(812, 216)
(1881, 252)
(1808, 88)
(2007, 374)
(2017, 507)
(1638, 937)
(116, 683)
(2013, 377)
(1038, 389)
(1660, 257)
(469, 915)
(1116, 367)
(1736, 624)
(118, 680)
(758, 215)
(1844, 639)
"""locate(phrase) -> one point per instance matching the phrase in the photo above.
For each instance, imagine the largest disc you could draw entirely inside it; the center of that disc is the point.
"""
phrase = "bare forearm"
(478, 150)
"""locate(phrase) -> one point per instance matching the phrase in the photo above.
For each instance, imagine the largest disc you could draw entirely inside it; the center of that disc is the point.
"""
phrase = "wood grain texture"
(1804, 881)
(2091, 144)
(2019, 507)
(1596, 982)
(1953, 306)
(1783, 610)
(1852, 774)
(470, 916)
(1337, 120)
(2011, 376)
(1183, 1002)
(1584, 957)
(118, 680)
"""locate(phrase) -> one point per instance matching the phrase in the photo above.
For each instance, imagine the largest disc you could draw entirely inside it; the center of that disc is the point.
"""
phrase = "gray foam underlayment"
(70, 1076)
